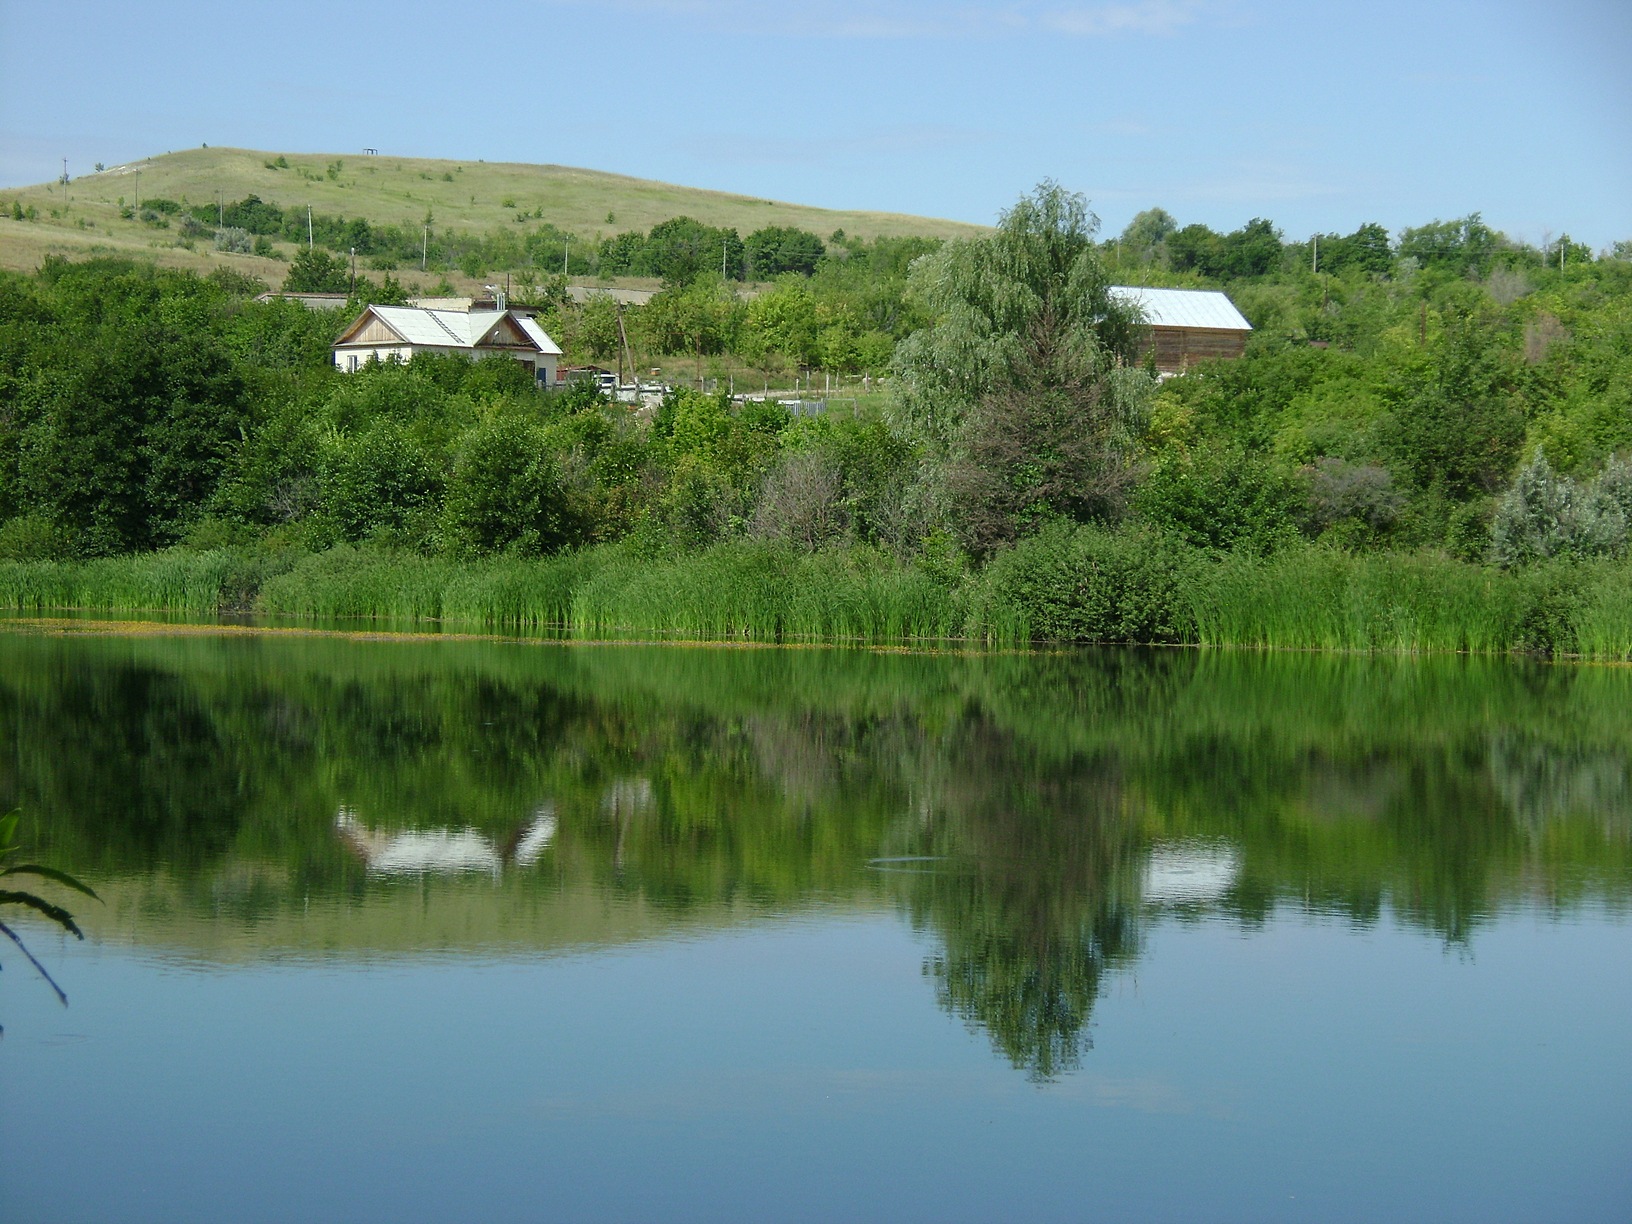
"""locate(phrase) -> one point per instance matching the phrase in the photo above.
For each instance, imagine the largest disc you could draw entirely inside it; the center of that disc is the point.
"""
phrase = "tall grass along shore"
(1076, 585)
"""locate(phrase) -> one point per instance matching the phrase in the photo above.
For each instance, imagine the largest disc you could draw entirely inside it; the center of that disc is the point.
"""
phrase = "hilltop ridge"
(465, 196)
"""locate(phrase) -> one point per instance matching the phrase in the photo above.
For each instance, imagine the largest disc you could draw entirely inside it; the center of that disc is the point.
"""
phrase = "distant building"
(396, 333)
(312, 301)
(1187, 325)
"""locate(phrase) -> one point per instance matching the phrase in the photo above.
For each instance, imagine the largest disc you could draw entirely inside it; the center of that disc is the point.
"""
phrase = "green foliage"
(1460, 423)
(316, 271)
(1307, 598)
(1545, 515)
(1220, 497)
(677, 250)
(34, 537)
(504, 493)
(141, 408)
(1367, 250)
(1460, 246)
(1253, 250)
(376, 483)
(1013, 382)
(1089, 584)
(779, 249)
(1145, 236)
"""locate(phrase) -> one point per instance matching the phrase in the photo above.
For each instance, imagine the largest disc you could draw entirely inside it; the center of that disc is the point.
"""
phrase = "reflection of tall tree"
(1035, 899)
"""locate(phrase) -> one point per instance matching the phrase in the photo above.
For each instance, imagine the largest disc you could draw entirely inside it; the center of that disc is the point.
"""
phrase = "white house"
(396, 333)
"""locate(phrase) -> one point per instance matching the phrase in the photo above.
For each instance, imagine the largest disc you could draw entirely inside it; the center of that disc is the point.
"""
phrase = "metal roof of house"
(538, 335)
(456, 328)
(1184, 307)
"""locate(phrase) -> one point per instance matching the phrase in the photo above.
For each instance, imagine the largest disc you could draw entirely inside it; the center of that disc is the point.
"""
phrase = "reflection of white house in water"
(1190, 873)
(445, 851)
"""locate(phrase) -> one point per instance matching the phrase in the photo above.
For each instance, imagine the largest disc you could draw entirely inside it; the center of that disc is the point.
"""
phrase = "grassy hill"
(476, 196)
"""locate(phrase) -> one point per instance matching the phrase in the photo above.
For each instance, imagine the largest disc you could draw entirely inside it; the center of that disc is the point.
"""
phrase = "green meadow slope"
(461, 195)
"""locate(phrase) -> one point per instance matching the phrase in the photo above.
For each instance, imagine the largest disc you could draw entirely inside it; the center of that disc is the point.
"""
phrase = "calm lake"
(498, 930)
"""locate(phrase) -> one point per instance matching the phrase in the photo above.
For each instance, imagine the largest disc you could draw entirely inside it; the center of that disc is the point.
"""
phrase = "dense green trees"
(1389, 399)
(777, 249)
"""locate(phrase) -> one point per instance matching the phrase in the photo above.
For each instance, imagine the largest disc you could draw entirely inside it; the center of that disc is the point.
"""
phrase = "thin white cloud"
(1153, 17)
(912, 19)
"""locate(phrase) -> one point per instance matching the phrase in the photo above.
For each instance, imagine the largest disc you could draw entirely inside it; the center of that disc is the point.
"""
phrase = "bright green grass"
(1322, 599)
(1298, 599)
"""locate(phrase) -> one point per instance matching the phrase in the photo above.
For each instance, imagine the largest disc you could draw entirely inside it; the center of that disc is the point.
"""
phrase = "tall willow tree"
(1021, 392)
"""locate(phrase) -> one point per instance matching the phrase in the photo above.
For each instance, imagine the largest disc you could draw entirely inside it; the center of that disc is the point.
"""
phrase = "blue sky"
(1317, 115)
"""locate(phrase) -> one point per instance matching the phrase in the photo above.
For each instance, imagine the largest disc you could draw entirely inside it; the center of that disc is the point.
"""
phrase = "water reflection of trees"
(1437, 791)
(1030, 884)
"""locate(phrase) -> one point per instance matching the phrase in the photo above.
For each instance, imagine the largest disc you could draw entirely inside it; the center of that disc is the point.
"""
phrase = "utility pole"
(65, 182)
(723, 245)
(1314, 258)
(353, 292)
(308, 227)
(625, 350)
(565, 251)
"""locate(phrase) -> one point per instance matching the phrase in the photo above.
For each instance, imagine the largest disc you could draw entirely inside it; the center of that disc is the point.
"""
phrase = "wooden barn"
(1188, 325)
(396, 333)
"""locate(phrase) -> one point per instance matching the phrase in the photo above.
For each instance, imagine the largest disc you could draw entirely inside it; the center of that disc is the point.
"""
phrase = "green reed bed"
(1076, 585)
(869, 597)
(514, 592)
(1321, 599)
(195, 583)
(766, 593)
(348, 582)
(1602, 612)
(729, 591)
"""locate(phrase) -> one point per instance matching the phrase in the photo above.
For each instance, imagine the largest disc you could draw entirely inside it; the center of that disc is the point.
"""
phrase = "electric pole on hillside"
(65, 182)
(308, 227)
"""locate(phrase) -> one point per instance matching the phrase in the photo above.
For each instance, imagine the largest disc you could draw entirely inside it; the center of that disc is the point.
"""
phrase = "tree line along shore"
(1423, 448)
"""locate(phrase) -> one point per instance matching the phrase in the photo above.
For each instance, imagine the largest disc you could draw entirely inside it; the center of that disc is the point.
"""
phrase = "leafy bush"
(1546, 515)
(34, 537)
(505, 493)
(1220, 497)
(1358, 497)
(377, 483)
(1089, 584)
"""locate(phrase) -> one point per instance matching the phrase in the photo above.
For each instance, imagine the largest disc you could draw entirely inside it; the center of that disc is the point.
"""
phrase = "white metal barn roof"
(1206, 308)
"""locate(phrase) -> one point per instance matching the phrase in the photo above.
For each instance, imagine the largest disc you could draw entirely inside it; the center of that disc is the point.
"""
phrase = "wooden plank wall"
(1179, 348)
